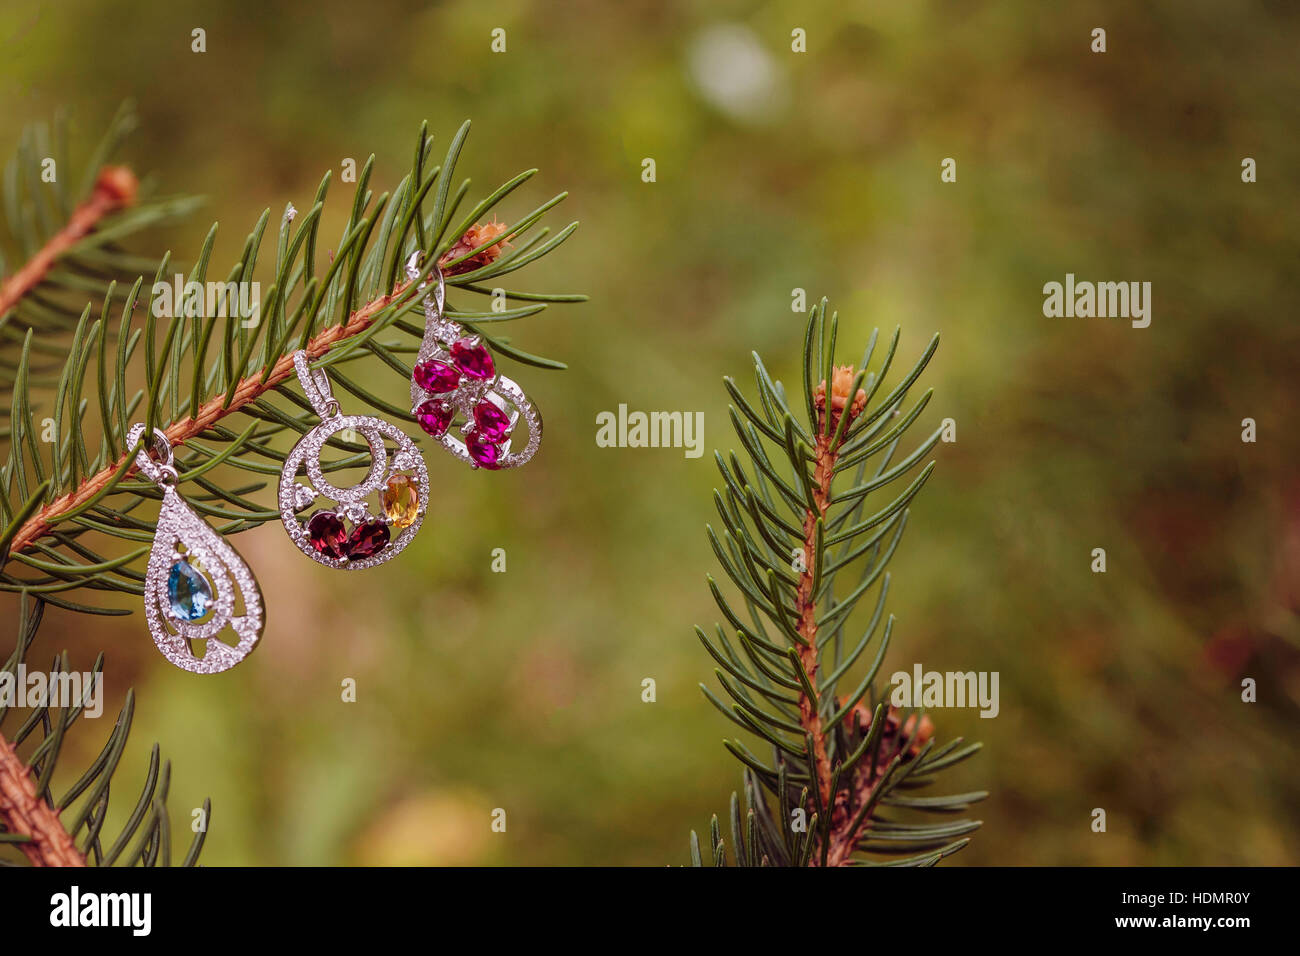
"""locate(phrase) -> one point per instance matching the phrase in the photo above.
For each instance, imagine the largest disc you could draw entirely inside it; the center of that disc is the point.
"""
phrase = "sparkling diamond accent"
(406, 461)
(302, 497)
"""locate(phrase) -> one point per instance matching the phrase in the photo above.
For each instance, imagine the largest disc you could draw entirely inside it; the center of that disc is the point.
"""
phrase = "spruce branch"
(840, 763)
(68, 259)
(115, 188)
(70, 830)
(829, 438)
(249, 389)
(199, 370)
(72, 241)
(75, 348)
(30, 822)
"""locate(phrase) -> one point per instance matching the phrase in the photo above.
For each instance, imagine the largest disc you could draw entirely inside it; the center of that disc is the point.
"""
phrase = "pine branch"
(839, 761)
(249, 389)
(77, 256)
(115, 188)
(827, 454)
(26, 815)
(70, 831)
(195, 370)
(198, 370)
(71, 241)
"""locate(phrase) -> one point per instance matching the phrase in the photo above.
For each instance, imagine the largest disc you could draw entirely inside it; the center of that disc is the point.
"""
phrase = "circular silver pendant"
(361, 525)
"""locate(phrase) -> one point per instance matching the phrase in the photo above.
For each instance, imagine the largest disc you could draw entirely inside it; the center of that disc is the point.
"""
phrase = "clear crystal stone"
(302, 497)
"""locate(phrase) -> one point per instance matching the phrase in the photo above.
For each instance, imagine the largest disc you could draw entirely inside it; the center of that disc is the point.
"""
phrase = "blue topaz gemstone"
(188, 590)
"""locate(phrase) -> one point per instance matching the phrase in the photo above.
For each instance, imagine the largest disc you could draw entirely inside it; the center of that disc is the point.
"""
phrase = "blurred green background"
(776, 170)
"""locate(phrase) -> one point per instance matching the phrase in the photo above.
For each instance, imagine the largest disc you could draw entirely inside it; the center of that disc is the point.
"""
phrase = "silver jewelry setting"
(437, 411)
(373, 538)
(186, 548)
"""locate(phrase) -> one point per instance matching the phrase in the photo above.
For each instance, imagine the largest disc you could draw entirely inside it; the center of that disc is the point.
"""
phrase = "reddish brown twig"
(115, 188)
(867, 776)
(826, 452)
(806, 604)
(23, 811)
(898, 739)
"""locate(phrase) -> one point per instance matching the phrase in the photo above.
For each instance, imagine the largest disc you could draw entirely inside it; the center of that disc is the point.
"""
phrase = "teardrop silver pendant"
(196, 585)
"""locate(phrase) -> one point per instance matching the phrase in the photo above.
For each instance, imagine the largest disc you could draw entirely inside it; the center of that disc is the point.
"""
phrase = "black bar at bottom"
(669, 905)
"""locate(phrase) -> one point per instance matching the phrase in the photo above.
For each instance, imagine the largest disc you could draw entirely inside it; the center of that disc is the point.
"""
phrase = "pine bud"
(118, 185)
(841, 382)
(918, 738)
(475, 236)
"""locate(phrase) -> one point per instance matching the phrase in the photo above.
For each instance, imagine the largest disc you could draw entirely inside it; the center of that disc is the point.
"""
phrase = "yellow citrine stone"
(401, 500)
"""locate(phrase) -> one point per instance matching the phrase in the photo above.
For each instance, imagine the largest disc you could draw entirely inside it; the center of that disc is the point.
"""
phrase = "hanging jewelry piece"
(454, 376)
(196, 584)
(347, 534)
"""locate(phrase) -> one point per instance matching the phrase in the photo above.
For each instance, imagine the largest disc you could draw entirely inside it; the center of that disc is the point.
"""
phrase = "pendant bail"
(162, 472)
(316, 386)
(439, 302)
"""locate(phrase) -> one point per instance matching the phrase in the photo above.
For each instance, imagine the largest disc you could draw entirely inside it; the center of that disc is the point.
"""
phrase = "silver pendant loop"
(316, 386)
(162, 473)
(440, 290)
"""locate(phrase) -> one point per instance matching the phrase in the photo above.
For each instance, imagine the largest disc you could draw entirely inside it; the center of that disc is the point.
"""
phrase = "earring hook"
(440, 291)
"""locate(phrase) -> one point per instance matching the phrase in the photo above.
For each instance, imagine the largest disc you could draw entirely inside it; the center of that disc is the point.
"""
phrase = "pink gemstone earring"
(454, 376)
